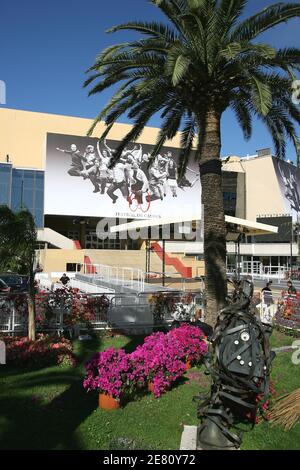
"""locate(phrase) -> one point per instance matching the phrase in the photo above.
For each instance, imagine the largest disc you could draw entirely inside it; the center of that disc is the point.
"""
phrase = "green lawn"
(48, 408)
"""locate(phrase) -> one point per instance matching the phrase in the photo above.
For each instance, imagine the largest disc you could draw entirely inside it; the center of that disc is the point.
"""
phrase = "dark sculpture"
(239, 365)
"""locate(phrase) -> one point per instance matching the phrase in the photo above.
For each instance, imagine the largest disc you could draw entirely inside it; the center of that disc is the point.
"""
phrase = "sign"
(288, 177)
(78, 181)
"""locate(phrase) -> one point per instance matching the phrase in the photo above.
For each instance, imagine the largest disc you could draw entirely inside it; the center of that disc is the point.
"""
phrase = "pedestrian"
(64, 279)
(291, 288)
(267, 296)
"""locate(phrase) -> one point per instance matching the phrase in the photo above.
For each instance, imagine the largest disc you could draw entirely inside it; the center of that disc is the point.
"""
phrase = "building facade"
(49, 166)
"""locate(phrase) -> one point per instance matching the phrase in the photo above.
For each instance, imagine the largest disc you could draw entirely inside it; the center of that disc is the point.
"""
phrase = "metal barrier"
(277, 308)
(11, 318)
(257, 271)
(126, 311)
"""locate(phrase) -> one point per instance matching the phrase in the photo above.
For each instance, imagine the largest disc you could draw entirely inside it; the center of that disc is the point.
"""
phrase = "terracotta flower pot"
(107, 402)
(150, 387)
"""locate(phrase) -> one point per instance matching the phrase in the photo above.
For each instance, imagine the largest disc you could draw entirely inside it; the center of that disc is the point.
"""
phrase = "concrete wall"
(263, 195)
(56, 260)
(258, 249)
(23, 134)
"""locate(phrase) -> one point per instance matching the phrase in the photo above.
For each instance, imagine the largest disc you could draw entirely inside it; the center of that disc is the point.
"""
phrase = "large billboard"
(79, 182)
(285, 229)
(288, 177)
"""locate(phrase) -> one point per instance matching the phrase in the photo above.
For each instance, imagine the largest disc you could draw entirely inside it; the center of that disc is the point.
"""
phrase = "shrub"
(110, 372)
(161, 359)
(45, 351)
(288, 313)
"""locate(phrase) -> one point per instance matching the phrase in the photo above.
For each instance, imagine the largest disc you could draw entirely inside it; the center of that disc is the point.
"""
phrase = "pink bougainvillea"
(161, 359)
(111, 372)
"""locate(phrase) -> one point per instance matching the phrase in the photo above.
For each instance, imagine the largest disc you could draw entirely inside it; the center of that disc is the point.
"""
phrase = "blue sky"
(46, 46)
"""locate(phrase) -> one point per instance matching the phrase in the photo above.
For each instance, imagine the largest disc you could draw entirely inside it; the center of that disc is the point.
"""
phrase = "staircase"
(176, 263)
(197, 266)
(127, 258)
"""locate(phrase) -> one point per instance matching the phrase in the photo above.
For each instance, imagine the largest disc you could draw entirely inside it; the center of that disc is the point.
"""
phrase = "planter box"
(107, 402)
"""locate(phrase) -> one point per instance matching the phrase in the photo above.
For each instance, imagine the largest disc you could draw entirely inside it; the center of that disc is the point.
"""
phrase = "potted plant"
(111, 373)
(162, 305)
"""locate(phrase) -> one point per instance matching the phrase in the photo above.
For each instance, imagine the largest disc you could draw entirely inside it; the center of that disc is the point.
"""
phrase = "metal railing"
(256, 270)
(278, 308)
(126, 311)
(115, 275)
(84, 285)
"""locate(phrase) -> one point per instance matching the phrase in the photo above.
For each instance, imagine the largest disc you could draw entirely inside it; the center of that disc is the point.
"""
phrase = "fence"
(132, 312)
(282, 309)
(256, 270)
(132, 278)
(84, 284)
(11, 317)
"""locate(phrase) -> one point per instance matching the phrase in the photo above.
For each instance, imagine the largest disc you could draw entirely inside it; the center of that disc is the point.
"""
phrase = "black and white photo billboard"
(288, 177)
(79, 182)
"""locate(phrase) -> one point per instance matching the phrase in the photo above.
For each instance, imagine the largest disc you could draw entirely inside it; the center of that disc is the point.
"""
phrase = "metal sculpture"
(239, 365)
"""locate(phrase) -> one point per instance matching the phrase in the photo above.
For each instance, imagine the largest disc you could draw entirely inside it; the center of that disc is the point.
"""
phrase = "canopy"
(234, 225)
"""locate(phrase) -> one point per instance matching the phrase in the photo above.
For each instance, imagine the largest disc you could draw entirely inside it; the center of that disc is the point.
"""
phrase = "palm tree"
(18, 238)
(202, 61)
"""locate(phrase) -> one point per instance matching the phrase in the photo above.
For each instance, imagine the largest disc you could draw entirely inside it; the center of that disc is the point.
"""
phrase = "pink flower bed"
(45, 351)
(161, 359)
(110, 371)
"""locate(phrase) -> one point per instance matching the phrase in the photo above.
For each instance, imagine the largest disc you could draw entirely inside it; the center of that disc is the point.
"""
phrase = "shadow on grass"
(30, 424)
(134, 342)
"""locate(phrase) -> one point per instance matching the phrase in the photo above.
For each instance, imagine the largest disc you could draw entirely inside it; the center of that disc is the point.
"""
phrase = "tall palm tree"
(18, 238)
(203, 60)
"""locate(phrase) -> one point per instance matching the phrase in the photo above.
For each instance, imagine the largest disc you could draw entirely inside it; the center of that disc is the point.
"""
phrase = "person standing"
(291, 288)
(64, 279)
(266, 292)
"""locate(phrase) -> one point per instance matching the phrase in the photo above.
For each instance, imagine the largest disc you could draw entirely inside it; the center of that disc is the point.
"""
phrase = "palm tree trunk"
(213, 216)
(31, 307)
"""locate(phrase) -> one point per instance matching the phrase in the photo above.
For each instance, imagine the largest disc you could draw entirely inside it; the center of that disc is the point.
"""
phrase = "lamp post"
(292, 241)
(164, 263)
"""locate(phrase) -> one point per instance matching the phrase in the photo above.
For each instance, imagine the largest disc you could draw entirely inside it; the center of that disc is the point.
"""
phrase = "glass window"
(28, 192)
(39, 199)
(28, 197)
(39, 180)
(17, 190)
(5, 184)
(29, 179)
(39, 218)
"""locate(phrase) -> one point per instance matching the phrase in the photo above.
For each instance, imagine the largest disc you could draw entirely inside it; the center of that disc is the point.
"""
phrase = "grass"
(48, 408)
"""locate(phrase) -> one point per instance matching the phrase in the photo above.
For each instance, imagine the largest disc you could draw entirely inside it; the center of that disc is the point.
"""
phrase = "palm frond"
(261, 95)
(186, 142)
(264, 20)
